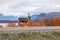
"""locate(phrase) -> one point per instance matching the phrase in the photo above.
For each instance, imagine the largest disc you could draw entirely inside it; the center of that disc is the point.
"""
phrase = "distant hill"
(34, 17)
(47, 15)
(2, 17)
(53, 14)
(7, 21)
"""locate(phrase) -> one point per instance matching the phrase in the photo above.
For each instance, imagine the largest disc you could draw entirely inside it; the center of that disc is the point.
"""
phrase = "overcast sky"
(23, 7)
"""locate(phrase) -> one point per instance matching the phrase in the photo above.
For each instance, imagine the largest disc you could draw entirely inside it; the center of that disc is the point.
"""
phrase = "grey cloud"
(21, 7)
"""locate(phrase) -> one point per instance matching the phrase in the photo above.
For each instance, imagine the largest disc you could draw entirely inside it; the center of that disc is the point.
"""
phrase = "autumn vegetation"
(30, 23)
(55, 21)
(52, 22)
(45, 22)
(11, 24)
(1, 26)
(22, 24)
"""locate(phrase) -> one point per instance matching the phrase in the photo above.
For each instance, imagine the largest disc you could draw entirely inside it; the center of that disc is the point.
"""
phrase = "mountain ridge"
(47, 15)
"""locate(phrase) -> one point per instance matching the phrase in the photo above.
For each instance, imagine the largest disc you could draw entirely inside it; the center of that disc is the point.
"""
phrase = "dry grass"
(33, 36)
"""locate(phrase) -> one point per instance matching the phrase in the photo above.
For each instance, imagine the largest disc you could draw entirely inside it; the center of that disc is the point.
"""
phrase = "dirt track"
(29, 29)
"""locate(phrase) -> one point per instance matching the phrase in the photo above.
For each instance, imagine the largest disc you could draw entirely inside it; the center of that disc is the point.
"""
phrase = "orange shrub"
(56, 21)
(21, 24)
(1, 26)
(30, 23)
(11, 24)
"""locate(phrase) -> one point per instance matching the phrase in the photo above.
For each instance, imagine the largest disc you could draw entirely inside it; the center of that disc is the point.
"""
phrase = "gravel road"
(30, 29)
